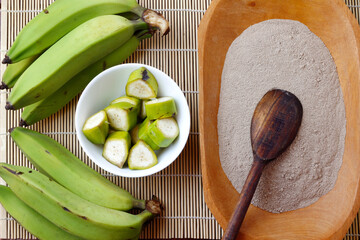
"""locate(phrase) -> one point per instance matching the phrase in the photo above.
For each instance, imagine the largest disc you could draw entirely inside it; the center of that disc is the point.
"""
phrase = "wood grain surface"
(246, 195)
(331, 216)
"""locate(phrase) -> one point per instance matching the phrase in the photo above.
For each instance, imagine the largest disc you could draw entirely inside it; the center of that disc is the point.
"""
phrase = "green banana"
(74, 52)
(142, 84)
(96, 128)
(58, 19)
(14, 71)
(116, 148)
(122, 116)
(69, 211)
(50, 105)
(162, 107)
(55, 161)
(163, 131)
(141, 156)
(31, 220)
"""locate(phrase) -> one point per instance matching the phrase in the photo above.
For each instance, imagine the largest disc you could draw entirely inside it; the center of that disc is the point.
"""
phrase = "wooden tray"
(331, 216)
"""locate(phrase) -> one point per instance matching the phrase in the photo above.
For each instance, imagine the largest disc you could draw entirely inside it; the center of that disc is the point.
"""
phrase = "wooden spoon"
(274, 125)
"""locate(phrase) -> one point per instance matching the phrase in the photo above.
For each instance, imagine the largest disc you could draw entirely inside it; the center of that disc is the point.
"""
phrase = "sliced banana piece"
(142, 114)
(144, 134)
(141, 156)
(142, 84)
(134, 101)
(96, 128)
(134, 133)
(122, 116)
(163, 107)
(116, 148)
(163, 131)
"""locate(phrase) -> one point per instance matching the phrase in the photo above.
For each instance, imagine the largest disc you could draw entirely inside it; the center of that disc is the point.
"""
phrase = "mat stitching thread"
(166, 50)
(161, 175)
(188, 217)
(161, 217)
(73, 133)
(160, 10)
(153, 50)
(185, 91)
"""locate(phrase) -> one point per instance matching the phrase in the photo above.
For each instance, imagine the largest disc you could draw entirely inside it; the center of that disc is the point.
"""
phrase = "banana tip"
(11, 129)
(157, 20)
(8, 106)
(154, 206)
(6, 60)
(166, 31)
(22, 123)
(3, 86)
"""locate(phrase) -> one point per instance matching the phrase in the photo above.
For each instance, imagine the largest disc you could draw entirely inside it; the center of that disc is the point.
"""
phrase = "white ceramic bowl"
(109, 85)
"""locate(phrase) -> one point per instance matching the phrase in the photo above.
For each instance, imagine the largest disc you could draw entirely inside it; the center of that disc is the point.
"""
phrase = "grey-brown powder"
(283, 54)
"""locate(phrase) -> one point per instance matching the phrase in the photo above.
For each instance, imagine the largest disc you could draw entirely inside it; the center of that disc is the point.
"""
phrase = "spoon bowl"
(275, 123)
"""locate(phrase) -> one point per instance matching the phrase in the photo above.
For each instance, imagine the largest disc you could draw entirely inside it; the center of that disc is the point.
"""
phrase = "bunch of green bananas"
(59, 51)
(67, 199)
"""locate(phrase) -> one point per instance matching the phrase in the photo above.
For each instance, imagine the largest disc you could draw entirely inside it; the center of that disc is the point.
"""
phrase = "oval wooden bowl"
(331, 216)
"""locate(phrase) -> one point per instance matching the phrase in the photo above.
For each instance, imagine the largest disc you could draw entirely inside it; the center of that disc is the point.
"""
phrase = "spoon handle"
(246, 195)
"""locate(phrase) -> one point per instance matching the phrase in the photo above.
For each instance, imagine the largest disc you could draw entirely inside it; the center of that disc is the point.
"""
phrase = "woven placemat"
(179, 186)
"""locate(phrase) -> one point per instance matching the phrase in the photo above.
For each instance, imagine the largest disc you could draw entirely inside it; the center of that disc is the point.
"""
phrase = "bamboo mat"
(179, 186)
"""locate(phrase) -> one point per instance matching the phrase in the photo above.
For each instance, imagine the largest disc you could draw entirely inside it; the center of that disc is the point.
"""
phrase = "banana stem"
(141, 35)
(146, 216)
(145, 36)
(6, 60)
(153, 206)
(155, 19)
(140, 24)
(139, 10)
(140, 204)
(153, 209)
(3, 86)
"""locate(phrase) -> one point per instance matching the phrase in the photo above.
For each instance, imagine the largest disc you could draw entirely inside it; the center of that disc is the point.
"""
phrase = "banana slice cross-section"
(122, 116)
(116, 148)
(141, 156)
(142, 84)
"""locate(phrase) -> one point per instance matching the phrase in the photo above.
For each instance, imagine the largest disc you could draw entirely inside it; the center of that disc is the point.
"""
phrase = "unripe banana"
(144, 135)
(122, 116)
(14, 71)
(96, 128)
(58, 19)
(69, 211)
(134, 101)
(134, 134)
(116, 148)
(163, 107)
(142, 114)
(163, 131)
(142, 84)
(74, 52)
(55, 161)
(31, 220)
(50, 105)
(141, 156)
